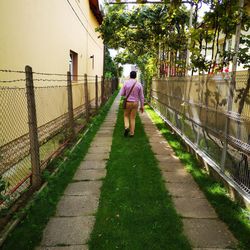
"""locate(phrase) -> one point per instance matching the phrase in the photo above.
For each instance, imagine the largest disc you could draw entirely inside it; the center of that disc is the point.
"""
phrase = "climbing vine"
(157, 37)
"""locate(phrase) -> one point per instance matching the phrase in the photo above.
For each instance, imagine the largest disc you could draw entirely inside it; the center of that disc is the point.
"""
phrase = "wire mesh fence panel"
(197, 106)
(52, 119)
(78, 96)
(91, 90)
(13, 114)
(52, 113)
(14, 139)
(79, 103)
(51, 103)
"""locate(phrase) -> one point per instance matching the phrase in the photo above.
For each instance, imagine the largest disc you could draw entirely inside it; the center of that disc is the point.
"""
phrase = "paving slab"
(160, 149)
(101, 144)
(89, 174)
(96, 157)
(108, 124)
(170, 166)
(152, 132)
(74, 247)
(208, 233)
(189, 190)
(100, 139)
(99, 149)
(106, 129)
(194, 208)
(149, 128)
(209, 248)
(164, 157)
(149, 125)
(104, 134)
(149, 122)
(109, 119)
(67, 231)
(158, 139)
(93, 164)
(77, 205)
(83, 188)
(178, 176)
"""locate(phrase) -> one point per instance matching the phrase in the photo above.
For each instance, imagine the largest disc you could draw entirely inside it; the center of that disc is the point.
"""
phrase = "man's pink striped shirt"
(137, 93)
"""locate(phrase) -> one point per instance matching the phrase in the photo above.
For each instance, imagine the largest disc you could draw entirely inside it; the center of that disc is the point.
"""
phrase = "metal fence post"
(70, 105)
(102, 91)
(86, 92)
(96, 92)
(33, 133)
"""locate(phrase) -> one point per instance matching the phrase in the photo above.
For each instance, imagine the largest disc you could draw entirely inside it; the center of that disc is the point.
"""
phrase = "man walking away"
(133, 91)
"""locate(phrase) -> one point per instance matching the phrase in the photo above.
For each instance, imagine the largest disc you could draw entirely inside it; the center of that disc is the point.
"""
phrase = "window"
(73, 65)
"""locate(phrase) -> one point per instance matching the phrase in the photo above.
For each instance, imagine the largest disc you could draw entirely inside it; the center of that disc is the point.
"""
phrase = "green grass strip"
(28, 233)
(228, 211)
(135, 210)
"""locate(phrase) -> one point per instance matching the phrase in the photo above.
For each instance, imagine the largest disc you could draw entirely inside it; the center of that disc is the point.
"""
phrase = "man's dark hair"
(133, 74)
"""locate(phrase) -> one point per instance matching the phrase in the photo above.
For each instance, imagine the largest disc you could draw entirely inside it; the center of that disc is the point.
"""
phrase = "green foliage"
(141, 31)
(111, 68)
(244, 54)
(222, 18)
(147, 30)
(156, 36)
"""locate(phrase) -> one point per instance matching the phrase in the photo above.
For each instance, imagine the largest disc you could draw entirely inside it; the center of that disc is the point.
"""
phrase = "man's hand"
(142, 109)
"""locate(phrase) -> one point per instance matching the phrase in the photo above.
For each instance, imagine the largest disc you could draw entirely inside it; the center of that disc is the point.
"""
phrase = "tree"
(111, 68)
(154, 34)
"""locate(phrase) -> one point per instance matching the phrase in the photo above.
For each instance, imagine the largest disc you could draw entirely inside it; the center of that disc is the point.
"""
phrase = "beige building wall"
(41, 33)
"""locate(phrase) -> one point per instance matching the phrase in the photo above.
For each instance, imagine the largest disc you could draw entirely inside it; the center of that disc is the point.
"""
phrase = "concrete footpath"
(201, 224)
(73, 222)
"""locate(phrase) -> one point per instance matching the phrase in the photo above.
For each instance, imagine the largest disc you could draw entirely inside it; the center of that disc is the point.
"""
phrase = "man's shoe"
(131, 135)
(126, 131)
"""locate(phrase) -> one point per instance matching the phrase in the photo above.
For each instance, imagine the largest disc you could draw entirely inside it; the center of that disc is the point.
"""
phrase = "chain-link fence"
(197, 107)
(39, 114)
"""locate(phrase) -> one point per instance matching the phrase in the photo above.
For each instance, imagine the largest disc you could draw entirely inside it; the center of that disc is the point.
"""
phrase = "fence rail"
(197, 107)
(39, 114)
